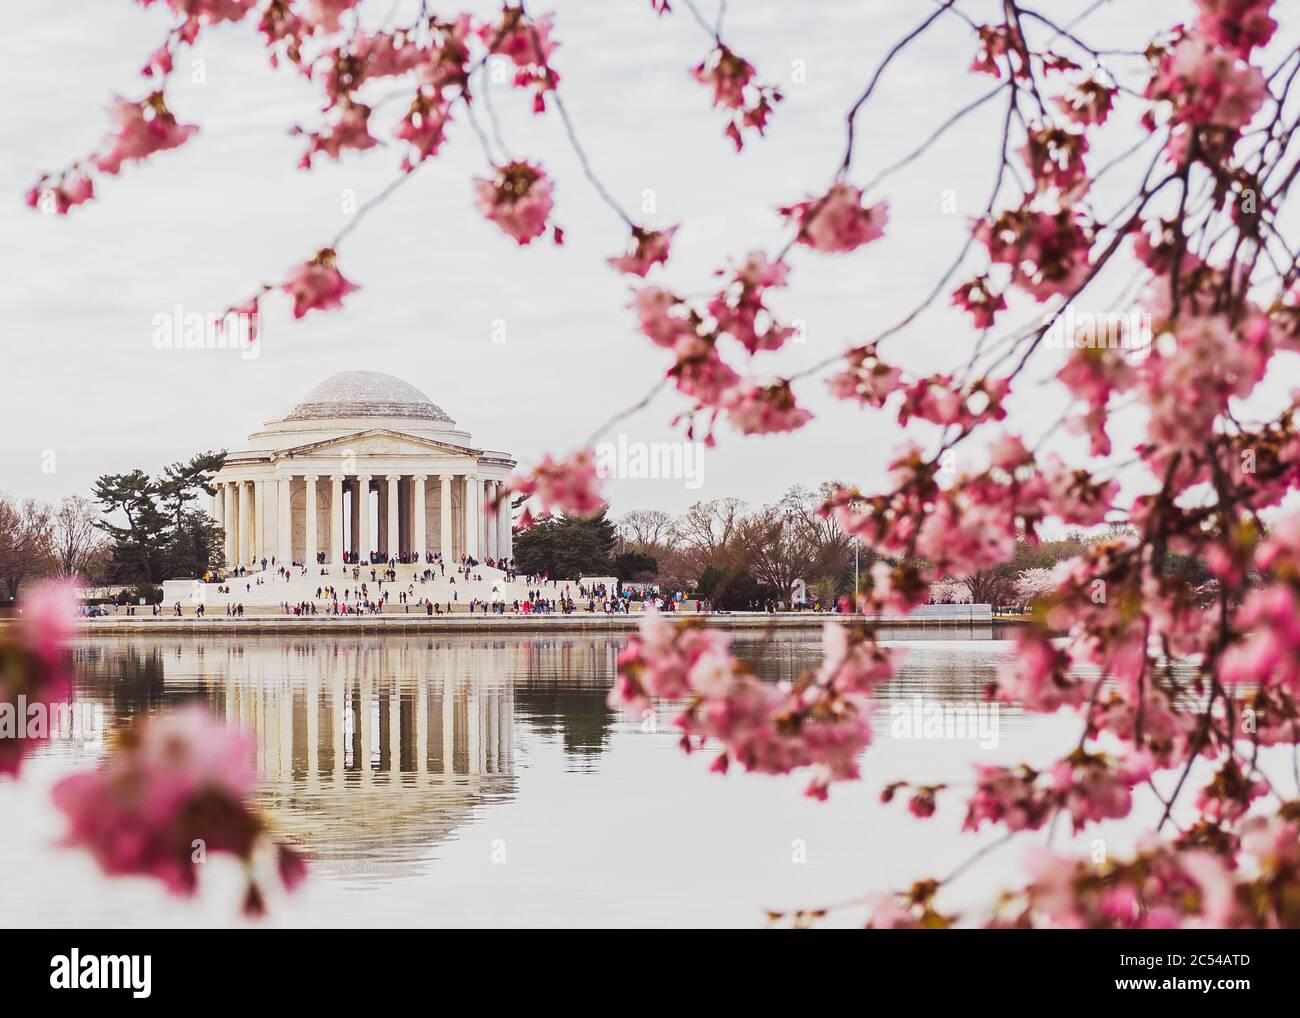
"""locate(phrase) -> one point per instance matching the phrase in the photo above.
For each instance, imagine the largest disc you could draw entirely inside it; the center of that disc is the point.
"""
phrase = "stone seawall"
(405, 624)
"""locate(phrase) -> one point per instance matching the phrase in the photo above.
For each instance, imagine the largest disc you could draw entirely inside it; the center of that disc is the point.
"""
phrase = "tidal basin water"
(482, 781)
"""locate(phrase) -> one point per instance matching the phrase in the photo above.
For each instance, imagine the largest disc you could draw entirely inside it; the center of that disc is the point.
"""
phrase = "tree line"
(737, 555)
(136, 531)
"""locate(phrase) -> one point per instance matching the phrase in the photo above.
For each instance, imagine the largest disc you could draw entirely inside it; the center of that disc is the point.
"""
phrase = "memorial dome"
(366, 394)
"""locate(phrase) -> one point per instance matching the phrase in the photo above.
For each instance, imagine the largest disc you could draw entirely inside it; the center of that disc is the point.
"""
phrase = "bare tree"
(777, 547)
(710, 527)
(831, 546)
(648, 531)
(25, 548)
(76, 538)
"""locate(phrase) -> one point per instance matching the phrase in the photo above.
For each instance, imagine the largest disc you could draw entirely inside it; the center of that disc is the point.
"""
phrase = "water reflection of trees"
(129, 681)
(562, 688)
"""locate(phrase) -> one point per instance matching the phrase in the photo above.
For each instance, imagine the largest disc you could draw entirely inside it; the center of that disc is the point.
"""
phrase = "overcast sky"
(204, 225)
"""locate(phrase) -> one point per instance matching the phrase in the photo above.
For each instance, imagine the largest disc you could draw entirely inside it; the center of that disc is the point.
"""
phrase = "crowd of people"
(380, 592)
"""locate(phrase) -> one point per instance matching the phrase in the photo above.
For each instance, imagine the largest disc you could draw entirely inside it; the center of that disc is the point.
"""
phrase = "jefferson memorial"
(366, 465)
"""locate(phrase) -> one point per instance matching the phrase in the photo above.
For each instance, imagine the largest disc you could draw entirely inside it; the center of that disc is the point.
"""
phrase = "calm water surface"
(467, 780)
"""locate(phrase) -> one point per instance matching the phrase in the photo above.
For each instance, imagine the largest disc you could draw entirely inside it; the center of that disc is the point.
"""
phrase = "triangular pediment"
(377, 442)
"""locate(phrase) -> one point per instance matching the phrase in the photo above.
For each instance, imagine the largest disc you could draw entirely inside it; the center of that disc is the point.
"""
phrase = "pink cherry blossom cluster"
(940, 399)
(178, 779)
(317, 285)
(329, 48)
(737, 312)
(732, 79)
(32, 665)
(1163, 886)
(1000, 44)
(528, 44)
(837, 221)
(518, 200)
(647, 248)
(821, 721)
(139, 130)
(570, 485)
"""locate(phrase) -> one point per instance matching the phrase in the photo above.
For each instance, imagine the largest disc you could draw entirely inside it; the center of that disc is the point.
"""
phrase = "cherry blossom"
(32, 671)
(424, 127)
(837, 222)
(178, 778)
(1088, 104)
(528, 44)
(740, 311)
(1047, 253)
(208, 12)
(141, 129)
(995, 43)
(349, 129)
(317, 285)
(978, 298)
(662, 316)
(72, 189)
(570, 485)
(648, 248)
(1204, 84)
(700, 373)
(326, 15)
(821, 722)
(1238, 25)
(517, 199)
(732, 79)
(765, 409)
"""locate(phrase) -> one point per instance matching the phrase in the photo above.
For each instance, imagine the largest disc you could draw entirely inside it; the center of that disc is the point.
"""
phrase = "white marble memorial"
(365, 464)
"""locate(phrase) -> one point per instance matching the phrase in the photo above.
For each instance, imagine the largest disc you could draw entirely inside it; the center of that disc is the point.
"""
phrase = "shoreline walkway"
(269, 623)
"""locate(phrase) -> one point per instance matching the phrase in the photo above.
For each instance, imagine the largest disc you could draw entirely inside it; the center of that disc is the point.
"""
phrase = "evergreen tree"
(635, 567)
(181, 482)
(194, 546)
(164, 537)
(136, 546)
(568, 546)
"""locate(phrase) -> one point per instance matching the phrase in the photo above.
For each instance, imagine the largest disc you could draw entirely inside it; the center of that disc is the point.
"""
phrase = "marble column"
(354, 515)
(489, 519)
(417, 515)
(220, 514)
(444, 530)
(394, 518)
(245, 544)
(421, 724)
(474, 729)
(395, 728)
(231, 523)
(363, 519)
(259, 519)
(309, 507)
(336, 519)
(284, 533)
(473, 514)
(503, 522)
(448, 727)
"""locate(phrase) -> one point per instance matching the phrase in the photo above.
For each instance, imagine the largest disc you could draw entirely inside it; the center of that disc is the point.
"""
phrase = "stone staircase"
(268, 589)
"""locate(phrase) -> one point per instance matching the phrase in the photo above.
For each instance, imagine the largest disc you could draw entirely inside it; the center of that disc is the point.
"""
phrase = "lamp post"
(855, 574)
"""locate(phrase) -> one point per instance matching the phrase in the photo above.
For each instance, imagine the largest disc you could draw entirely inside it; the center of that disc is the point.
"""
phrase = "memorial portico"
(365, 465)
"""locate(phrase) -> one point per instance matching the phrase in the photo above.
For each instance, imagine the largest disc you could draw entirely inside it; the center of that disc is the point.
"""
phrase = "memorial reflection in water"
(371, 751)
(376, 753)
